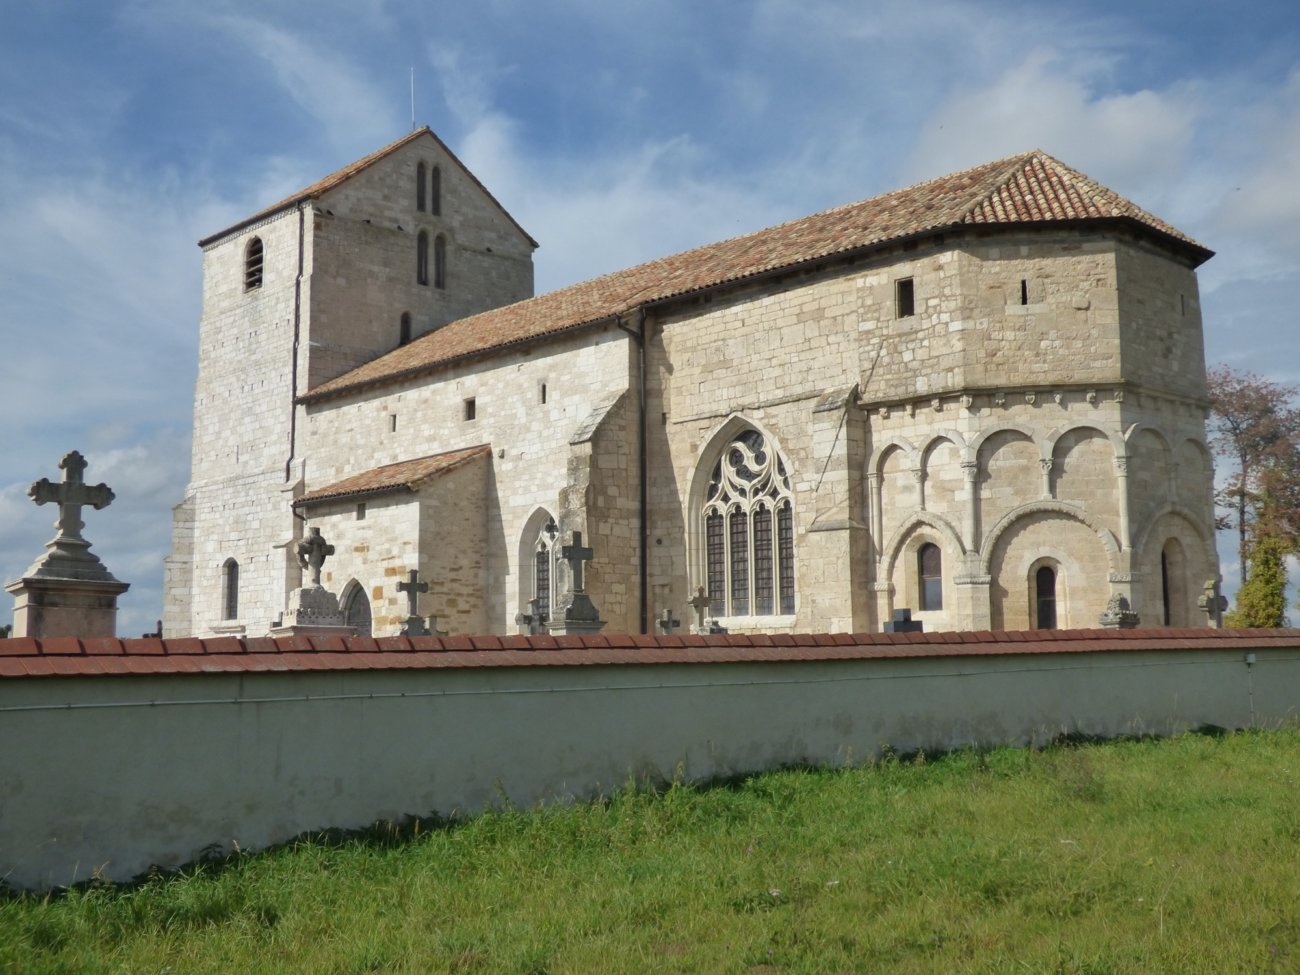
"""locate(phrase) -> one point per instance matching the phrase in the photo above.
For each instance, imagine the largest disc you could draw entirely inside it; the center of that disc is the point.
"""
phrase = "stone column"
(970, 525)
(1121, 485)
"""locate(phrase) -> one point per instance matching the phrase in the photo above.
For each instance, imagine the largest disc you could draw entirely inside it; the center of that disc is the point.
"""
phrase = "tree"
(1255, 426)
(1261, 601)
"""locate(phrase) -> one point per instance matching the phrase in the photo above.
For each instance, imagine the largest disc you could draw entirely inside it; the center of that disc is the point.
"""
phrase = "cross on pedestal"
(575, 555)
(70, 494)
(699, 603)
(412, 587)
(667, 623)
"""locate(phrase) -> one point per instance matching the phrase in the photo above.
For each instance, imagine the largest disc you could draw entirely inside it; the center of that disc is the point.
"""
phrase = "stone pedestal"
(1119, 615)
(312, 611)
(579, 617)
(49, 606)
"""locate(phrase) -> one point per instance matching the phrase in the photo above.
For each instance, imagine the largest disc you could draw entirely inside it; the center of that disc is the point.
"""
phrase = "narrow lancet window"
(419, 187)
(435, 192)
(230, 589)
(439, 262)
(422, 258)
(929, 562)
(1045, 598)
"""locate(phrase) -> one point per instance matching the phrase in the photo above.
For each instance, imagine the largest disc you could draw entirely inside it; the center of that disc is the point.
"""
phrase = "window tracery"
(748, 520)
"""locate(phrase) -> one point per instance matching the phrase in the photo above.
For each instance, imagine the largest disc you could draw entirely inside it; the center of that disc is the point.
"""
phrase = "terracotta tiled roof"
(67, 656)
(406, 475)
(337, 177)
(1032, 188)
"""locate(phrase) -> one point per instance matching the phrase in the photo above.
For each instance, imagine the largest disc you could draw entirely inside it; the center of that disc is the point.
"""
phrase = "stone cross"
(575, 555)
(532, 619)
(667, 623)
(312, 552)
(699, 603)
(70, 494)
(412, 587)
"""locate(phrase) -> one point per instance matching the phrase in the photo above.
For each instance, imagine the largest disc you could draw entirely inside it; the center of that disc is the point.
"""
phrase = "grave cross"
(70, 494)
(575, 555)
(412, 587)
(699, 603)
(667, 623)
(532, 619)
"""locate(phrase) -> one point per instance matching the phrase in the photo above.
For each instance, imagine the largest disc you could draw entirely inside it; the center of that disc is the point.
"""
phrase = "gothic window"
(404, 329)
(1045, 598)
(253, 264)
(419, 187)
(422, 258)
(929, 574)
(748, 526)
(356, 609)
(544, 554)
(435, 192)
(439, 263)
(230, 589)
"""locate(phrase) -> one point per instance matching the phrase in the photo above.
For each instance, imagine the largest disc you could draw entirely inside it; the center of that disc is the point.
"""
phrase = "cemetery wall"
(125, 754)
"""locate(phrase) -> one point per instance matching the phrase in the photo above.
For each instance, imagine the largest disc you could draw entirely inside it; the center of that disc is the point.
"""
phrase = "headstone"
(579, 615)
(699, 603)
(534, 620)
(1119, 614)
(312, 610)
(1212, 603)
(67, 591)
(667, 623)
(414, 624)
(902, 622)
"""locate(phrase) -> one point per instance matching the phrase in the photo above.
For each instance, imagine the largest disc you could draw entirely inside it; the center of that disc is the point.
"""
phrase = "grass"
(1135, 856)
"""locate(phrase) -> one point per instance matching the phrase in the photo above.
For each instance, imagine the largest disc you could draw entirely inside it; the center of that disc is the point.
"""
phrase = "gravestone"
(667, 622)
(414, 624)
(534, 620)
(579, 614)
(1119, 614)
(902, 622)
(699, 603)
(67, 591)
(312, 610)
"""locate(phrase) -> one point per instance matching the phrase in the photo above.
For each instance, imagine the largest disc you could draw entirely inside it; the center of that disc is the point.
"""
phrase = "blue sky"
(614, 133)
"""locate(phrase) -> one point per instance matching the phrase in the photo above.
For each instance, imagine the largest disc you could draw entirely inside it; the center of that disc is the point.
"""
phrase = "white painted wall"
(113, 774)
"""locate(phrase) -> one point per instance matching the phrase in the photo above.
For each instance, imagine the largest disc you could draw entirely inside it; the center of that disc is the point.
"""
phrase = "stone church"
(981, 398)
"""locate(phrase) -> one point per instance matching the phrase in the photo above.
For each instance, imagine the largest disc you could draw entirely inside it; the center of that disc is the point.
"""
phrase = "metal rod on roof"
(412, 98)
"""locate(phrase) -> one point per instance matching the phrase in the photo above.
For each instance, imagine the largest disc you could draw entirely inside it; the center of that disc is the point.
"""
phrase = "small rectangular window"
(1024, 291)
(543, 392)
(361, 511)
(904, 298)
(471, 409)
(392, 422)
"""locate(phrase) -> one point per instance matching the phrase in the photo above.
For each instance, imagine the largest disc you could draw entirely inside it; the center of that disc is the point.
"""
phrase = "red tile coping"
(70, 657)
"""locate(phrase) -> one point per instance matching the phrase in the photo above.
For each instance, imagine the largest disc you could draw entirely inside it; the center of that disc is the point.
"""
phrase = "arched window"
(419, 187)
(253, 264)
(404, 329)
(748, 521)
(422, 258)
(356, 609)
(1045, 598)
(1173, 584)
(230, 589)
(439, 262)
(435, 192)
(544, 553)
(929, 575)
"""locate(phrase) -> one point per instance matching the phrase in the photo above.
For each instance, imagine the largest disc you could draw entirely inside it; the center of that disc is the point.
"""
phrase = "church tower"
(352, 267)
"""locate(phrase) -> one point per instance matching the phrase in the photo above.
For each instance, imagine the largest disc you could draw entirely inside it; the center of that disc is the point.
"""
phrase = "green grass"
(1139, 856)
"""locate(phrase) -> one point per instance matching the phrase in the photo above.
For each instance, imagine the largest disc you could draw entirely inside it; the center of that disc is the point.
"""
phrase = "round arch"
(1047, 507)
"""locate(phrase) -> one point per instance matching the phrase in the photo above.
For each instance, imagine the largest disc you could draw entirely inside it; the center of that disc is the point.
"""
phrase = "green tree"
(1261, 601)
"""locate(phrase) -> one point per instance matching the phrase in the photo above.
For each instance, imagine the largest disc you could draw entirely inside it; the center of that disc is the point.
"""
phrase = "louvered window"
(253, 264)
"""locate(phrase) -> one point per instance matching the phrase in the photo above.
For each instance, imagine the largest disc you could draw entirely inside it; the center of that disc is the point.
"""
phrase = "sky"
(613, 132)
